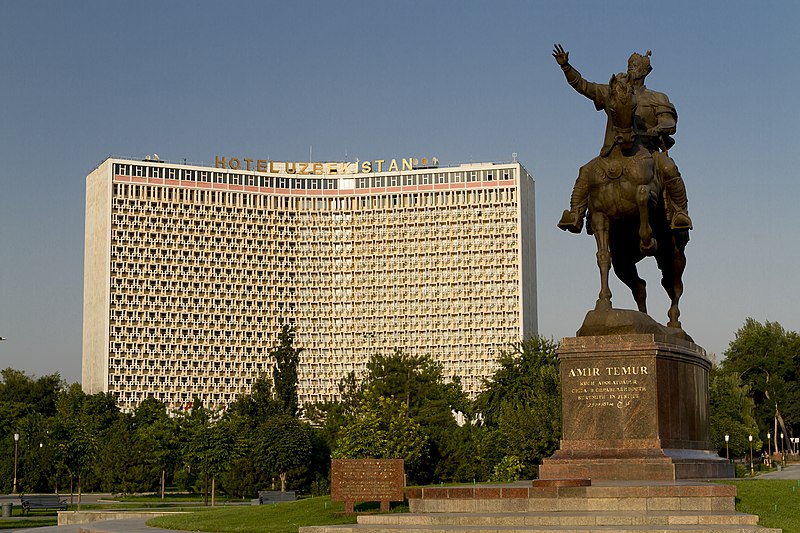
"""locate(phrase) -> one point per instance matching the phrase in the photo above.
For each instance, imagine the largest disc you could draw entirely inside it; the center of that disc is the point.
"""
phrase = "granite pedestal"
(634, 407)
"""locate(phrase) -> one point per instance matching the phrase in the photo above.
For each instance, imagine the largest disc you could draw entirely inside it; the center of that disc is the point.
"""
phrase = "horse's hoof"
(649, 249)
(602, 305)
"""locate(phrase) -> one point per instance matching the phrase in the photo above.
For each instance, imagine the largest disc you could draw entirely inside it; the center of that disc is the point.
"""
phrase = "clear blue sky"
(460, 80)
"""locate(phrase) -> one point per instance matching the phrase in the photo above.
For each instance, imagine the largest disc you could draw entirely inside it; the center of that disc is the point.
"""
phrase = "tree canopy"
(521, 405)
(767, 357)
(284, 373)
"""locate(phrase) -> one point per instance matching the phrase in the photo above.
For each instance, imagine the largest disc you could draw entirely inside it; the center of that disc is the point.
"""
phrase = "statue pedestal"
(634, 407)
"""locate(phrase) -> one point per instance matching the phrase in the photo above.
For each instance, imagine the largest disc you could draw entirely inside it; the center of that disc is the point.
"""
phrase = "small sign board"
(367, 480)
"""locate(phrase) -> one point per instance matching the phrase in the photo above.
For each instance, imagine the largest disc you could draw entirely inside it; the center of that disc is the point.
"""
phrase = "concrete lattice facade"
(190, 270)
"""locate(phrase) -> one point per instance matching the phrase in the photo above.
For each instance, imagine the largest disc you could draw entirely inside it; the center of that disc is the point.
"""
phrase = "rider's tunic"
(653, 110)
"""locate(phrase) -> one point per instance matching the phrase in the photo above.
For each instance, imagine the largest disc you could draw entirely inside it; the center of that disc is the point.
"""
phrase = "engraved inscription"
(607, 386)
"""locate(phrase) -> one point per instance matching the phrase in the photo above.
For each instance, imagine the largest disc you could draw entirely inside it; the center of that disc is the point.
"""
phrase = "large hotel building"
(190, 271)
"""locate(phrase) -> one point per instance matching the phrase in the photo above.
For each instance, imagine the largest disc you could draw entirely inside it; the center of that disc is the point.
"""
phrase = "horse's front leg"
(647, 244)
(672, 281)
(600, 226)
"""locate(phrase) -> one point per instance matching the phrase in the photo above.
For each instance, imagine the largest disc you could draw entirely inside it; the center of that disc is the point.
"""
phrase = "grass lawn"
(275, 518)
(30, 522)
(775, 501)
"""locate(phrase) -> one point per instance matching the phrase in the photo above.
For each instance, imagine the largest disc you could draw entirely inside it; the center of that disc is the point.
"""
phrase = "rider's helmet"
(639, 65)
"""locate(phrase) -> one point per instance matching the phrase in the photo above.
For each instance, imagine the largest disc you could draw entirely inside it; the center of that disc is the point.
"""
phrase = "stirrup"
(681, 221)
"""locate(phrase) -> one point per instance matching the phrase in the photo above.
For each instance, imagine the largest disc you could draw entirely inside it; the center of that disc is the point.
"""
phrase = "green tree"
(209, 446)
(82, 422)
(76, 449)
(36, 395)
(419, 382)
(125, 464)
(258, 406)
(157, 433)
(767, 357)
(731, 408)
(382, 429)
(284, 373)
(521, 405)
(463, 458)
(27, 405)
(284, 445)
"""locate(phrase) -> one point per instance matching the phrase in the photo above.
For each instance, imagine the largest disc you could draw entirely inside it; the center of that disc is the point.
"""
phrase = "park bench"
(42, 501)
(274, 496)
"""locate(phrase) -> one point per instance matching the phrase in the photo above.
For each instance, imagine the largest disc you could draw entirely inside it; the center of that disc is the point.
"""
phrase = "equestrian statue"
(632, 194)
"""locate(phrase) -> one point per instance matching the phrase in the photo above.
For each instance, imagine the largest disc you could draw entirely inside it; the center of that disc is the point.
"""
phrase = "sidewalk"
(789, 472)
(135, 525)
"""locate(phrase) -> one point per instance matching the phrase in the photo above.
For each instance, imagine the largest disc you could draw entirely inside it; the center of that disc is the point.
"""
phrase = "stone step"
(603, 518)
(697, 504)
(382, 528)
(688, 507)
(629, 497)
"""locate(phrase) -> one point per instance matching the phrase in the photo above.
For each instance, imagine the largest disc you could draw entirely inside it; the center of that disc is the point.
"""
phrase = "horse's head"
(621, 108)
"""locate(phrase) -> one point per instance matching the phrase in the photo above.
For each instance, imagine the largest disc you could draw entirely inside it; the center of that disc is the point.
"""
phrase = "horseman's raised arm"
(593, 91)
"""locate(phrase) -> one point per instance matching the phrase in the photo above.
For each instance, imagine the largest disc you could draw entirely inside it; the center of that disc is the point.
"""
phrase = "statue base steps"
(627, 506)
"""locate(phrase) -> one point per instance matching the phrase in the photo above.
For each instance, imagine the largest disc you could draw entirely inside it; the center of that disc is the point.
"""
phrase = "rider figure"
(654, 123)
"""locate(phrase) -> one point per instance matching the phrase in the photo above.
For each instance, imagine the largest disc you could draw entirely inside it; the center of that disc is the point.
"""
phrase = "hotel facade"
(190, 271)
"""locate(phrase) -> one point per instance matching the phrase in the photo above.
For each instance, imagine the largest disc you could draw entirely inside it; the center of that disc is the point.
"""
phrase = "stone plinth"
(634, 407)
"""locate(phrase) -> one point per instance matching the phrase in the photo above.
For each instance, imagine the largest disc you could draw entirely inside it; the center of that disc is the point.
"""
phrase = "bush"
(508, 469)
(321, 486)
(742, 470)
(184, 480)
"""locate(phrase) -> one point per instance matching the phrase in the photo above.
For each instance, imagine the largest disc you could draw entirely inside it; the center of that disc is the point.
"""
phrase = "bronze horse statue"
(627, 213)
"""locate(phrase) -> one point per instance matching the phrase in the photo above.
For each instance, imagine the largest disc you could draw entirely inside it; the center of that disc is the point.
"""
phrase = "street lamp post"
(783, 458)
(727, 453)
(16, 449)
(750, 438)
(769, 449)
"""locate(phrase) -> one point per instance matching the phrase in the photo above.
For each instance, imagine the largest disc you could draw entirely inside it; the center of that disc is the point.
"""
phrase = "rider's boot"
(679, 205)
(572, 218)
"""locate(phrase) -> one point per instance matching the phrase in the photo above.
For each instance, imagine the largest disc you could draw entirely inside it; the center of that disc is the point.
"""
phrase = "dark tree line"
(74, 442)
(402, 406)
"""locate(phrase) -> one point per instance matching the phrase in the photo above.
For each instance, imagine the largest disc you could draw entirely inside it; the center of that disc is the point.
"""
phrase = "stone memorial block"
(634, 407)
(367, 480)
